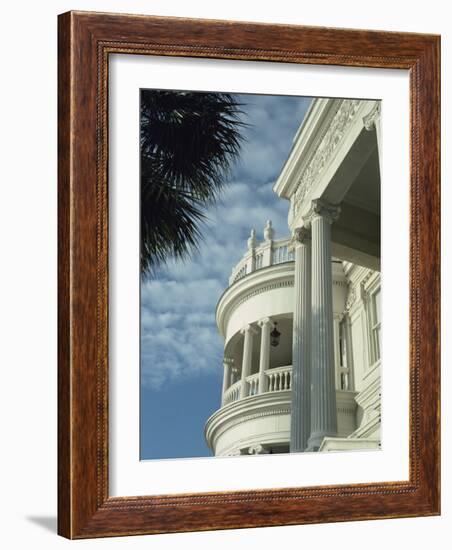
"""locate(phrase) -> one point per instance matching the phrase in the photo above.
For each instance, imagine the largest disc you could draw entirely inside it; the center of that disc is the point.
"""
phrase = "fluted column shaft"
(248, 333)
(264, 358)
(300, 425)
(323, 396)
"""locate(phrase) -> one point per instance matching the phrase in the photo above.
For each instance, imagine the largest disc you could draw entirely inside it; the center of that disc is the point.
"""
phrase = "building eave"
(304, 141)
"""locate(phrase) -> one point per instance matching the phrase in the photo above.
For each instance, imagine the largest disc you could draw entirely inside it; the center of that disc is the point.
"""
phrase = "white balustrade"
(232, 394)
(279, 379)
(266, 254)
(253, 384)
(259, 260)
(240, 273)
(282, 254)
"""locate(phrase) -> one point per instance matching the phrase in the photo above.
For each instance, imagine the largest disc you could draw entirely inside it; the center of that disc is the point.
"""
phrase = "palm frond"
(189, 142)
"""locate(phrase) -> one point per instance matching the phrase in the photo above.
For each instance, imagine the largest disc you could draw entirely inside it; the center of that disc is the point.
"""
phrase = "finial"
(269, 232)
(252, 240)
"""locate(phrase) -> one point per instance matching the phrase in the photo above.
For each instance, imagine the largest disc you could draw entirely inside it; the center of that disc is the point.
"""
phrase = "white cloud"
(179, 337)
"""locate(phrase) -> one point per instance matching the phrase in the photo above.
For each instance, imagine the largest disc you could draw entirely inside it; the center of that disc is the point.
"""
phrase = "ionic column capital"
(322, 209)
(258, 450)
(265, 321)
(248, 329)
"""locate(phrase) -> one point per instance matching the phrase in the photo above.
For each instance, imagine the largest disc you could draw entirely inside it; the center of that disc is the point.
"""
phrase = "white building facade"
(301, 316)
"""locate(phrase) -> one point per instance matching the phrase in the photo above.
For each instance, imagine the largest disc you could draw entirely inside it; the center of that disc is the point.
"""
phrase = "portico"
(256, 318)
(332, 180)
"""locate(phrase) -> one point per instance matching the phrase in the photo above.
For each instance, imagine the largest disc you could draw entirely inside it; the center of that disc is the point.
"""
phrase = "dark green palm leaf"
(189, 141)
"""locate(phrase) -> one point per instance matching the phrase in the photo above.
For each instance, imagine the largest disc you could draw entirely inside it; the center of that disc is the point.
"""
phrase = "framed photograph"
(248, 275)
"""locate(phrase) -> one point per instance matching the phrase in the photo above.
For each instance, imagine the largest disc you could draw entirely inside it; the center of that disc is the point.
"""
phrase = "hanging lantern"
(275, 336)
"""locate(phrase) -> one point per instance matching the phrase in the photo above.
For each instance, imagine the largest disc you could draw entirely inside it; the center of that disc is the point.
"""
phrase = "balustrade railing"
(279, 379)
(232, 393)
(264, 255)
(253, 384)
(282, 254)
(240, 273)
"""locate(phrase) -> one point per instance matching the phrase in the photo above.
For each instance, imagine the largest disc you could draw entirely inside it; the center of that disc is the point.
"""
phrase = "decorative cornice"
(371, 118)
(324, 152)
(260, 290)
(228, 424)
(257, 291)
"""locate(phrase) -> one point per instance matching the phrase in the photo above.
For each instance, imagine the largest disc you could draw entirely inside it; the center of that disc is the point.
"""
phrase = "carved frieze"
(328, 144)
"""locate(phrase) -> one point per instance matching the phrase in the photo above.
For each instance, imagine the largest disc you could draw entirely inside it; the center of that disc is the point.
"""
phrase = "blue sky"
(181, 349)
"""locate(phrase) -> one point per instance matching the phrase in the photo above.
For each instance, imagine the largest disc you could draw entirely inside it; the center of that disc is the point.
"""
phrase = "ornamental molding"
(256, 292)
(227, 424)
(351, 298)
(300, 235)
(372, 117)
(325, 150)
(258, 450)
(322, 209)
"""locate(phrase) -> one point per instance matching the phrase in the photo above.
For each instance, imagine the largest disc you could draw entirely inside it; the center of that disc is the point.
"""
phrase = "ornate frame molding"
(85, 508)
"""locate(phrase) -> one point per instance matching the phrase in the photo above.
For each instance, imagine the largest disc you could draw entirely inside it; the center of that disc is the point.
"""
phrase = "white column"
(300, 424)
(226, 376)
(234, 375)
(337, 352)
(349, 354)
(323, 396)
(264, 358)
(248, 333)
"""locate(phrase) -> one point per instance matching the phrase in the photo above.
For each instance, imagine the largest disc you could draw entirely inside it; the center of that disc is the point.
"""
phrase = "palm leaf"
(189, 141)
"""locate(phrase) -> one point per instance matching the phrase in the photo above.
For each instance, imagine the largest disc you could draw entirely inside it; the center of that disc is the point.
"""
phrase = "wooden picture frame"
(85, 508)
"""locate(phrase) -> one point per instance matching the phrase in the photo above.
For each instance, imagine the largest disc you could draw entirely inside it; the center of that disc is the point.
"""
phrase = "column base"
(297, 449)
(315, 441)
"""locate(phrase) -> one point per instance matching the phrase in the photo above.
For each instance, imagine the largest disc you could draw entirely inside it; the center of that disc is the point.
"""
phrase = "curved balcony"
(269, 252)
(259, 423)
(277, 379)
